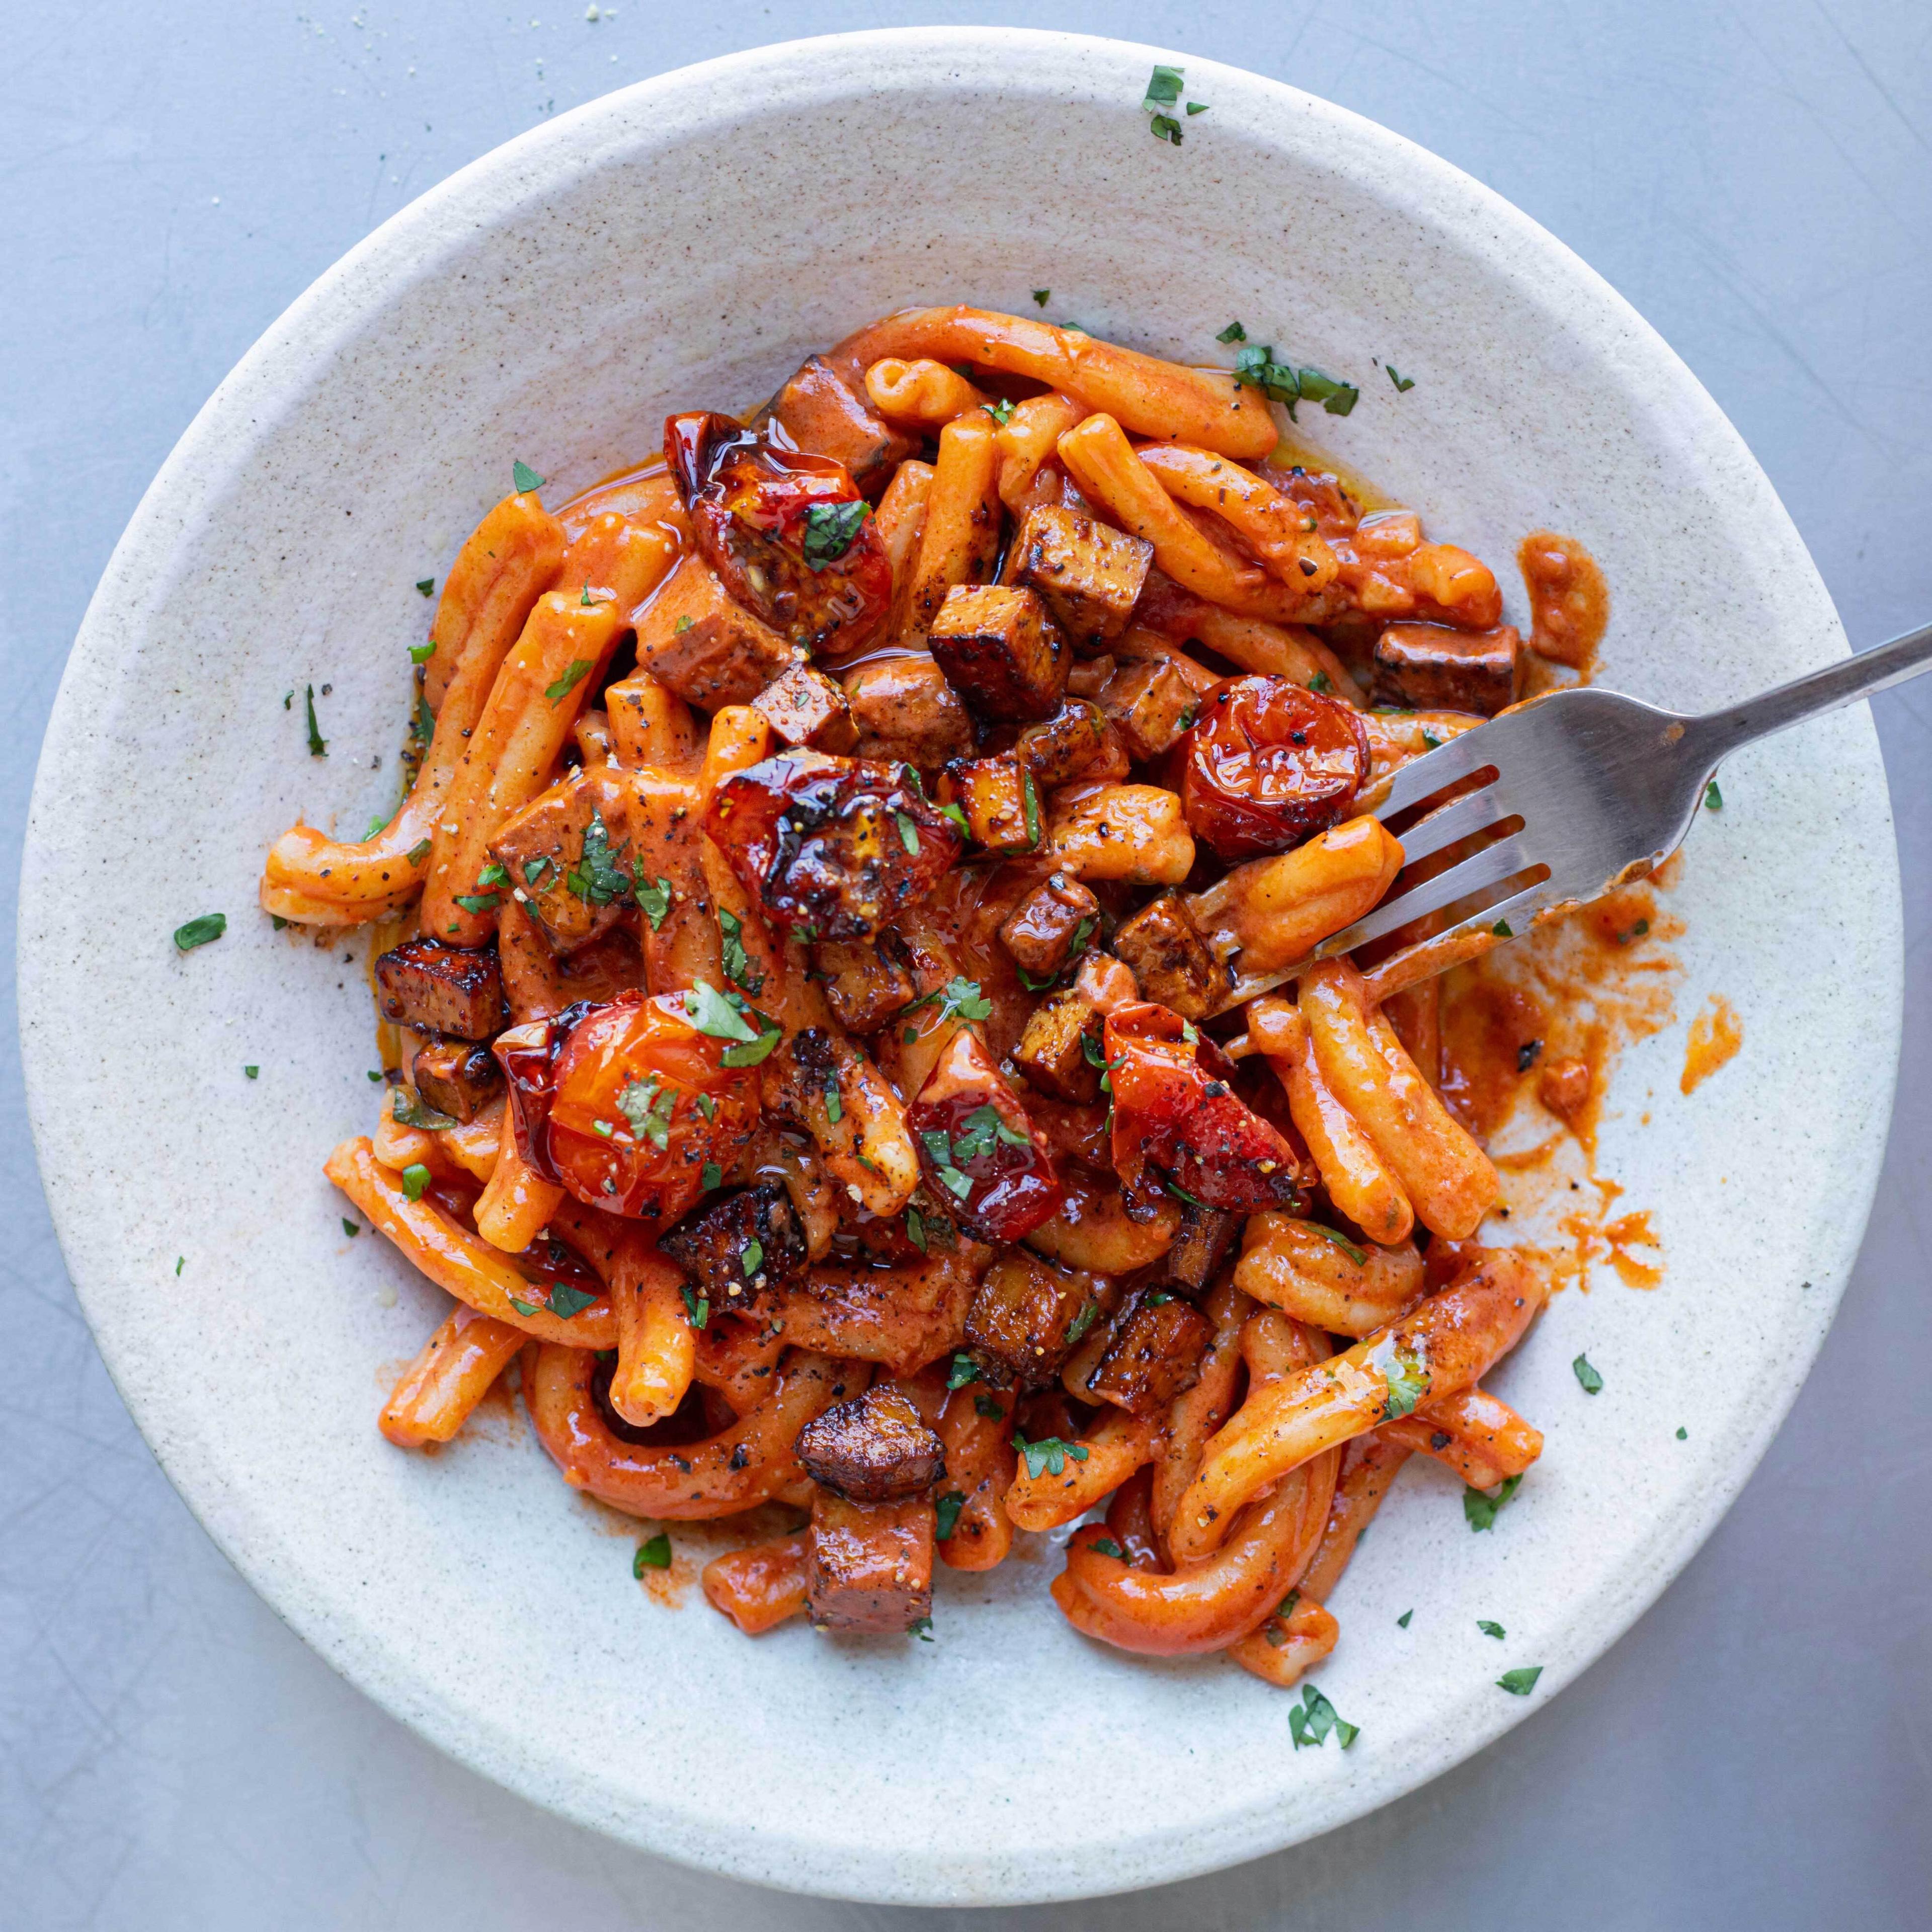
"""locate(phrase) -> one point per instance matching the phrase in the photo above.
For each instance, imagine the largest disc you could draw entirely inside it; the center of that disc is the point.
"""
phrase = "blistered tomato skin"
(1268, 765)
(1178, 1119)
(604, 1100)
(970, 1127)
(786, 532)
(832, 848)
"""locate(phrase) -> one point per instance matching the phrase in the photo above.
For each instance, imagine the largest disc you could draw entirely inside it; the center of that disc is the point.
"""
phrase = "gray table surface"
(1757, 179)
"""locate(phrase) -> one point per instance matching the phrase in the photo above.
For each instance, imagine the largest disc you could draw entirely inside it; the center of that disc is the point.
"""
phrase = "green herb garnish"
(654, 1555)
(573, 675)
(408, 1108)
(525, 478)
(830, 529)
(1049, 1455)
(1360, 1256)
(416, 1178)
(1592, 1382)
(351, 1229)
(654, 902)
(947, 1514)
(211, 925)
(710, 1175)
(1520, 1683)
(1481, 1508)
(1489, 1629)
(1713, 800)
(478, 902)
(318, 745)
(1403, 384)
(1310, 1721)
(737, 961)
(908, 832)
(697, 1307)
(427, 585)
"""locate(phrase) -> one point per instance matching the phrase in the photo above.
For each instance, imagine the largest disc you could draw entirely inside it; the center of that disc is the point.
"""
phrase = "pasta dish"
(851, 1040)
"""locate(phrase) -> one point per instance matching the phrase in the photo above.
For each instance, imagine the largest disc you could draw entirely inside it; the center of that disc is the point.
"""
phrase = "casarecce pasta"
(850, 1032)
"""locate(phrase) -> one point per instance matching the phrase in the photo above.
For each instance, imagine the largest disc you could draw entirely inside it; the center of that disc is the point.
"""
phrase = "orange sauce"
(1716, 1034)
(1531, 1032)
(1569, 599)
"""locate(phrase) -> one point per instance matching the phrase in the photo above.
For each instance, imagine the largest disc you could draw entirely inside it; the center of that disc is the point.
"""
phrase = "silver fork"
(1605, 787)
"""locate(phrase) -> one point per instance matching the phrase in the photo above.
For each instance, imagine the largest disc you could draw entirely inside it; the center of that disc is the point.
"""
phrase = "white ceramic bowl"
(684, 243)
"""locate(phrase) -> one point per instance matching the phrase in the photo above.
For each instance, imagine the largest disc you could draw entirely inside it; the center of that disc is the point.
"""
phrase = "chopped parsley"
(1321, 684)
(525, 478)
(1713, 800)
(1407, 1381)
(1489, 1629)
(597, 878)
(427, 585)
(947, 1514)
(1255, 368)
(211, 925)
(987, 1408)
(492, 874)
(1403, 384)
(654, 1555)
(908, 832)
(1090, 1313)
(416, 1178)
(1042, 297)
(753, 1258)
(965, 1370)
(1030, 800)
(351, 1229)
(1234, 332)
(939, 1151)
(1163, 90)
(252, 1073)
(1402, 1621)
(737, 961)
(478, 902)
(422, 721)
(1502, 929)
(1520, 1683)
(566, 1301)
(573, 675)
(707, 1106)
(1637, 931)
(710, 1175)
(1049, 1455)
(1359, 1256)
(1481, 1509)
(422, 653)
(721, 1016)
(1105, 1546)
(418, 852)
(834, 1103)
(1197, 107)
(654, 902)
(1592, 1382)
(920, 1628)
(697, 1307)
(408, 1108)
(915, 1223)
(1683, 1435)
(1001, 411)
(830, 530)
(318, 745)
(648, 1106)
(959, 998)
(1310, 1721)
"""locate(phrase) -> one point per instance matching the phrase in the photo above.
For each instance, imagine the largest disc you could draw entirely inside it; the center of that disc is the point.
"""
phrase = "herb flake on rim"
(1310, 1721)
(210, 926)
(1520, 1683)
(526, 479)
(1592, 1382)
(1481, 1508)
(318, 745)
(653, 1555)
(1403, 384)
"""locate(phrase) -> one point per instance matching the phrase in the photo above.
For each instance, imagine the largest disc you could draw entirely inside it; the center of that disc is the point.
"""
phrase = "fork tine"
(1489, 867)
(1461, 820)
(1435, 770)
(1426, 957)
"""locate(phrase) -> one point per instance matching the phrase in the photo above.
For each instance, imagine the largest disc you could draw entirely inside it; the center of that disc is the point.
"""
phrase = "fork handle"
(1719, 733)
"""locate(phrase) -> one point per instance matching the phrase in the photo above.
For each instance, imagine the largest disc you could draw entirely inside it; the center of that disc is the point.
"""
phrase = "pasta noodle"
(845, 960)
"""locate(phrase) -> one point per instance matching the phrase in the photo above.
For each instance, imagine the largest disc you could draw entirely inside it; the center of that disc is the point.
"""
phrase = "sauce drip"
(1569, 600)
(1716, 1034)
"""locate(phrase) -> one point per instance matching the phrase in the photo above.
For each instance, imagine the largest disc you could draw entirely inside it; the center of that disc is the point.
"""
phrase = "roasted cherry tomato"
(789, 533)
(981, 1153)
(1179, 1127)
(622, 1105)
(1268, 765)
(836, 848)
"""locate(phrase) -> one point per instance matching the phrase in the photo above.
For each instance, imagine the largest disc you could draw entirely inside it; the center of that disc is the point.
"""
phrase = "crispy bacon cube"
(1001, 811)
(1077, 742)
(869, 1566)
(832, 848)
(804, 707)
(567, 857)
(1052, 923)
(998, 650)
(456, 990)
(1151, 705)
(1170, 961)
(1026, 1316)
(709, 649)
(743, 1248)
(821, 415)
(979, 1149)
(1088, 575)
(864, 984)
(1438, 668)
(875, 1448)
(1053, 1053)
(1154, 1355)
(905, 712)
(456, 1077)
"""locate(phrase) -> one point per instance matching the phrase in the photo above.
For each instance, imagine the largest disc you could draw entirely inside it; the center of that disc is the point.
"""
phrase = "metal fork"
(1605, 787)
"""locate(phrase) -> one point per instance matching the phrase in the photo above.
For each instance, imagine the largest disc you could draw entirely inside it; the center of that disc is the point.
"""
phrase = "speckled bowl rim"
(218, 440)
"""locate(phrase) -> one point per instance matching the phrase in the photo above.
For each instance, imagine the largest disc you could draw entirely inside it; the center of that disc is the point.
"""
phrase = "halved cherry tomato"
(624, 1104)
(789, 533)
(839, 847)
(1268, 765)
(981, 1155)
(1179, 1127)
